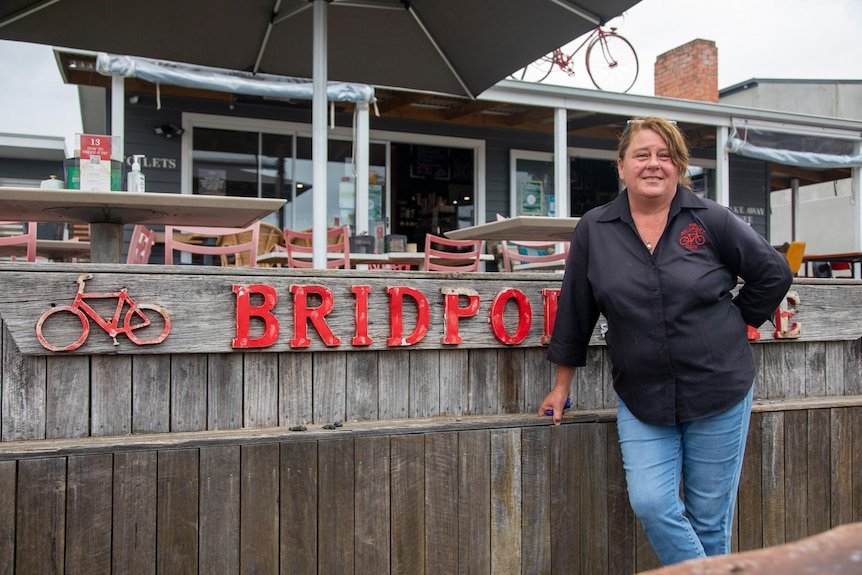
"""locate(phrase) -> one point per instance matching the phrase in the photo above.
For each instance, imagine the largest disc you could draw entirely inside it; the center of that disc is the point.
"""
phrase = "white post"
(118, 116)
(794, 208)
(856, 195)
(561, 164)
(361, 159)
(722, 167)
(319, 143)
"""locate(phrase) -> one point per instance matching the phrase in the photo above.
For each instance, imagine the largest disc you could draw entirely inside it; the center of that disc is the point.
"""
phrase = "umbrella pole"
(319, 144)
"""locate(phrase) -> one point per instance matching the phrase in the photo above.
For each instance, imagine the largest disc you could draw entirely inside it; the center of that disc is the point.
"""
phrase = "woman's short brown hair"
(672, 136)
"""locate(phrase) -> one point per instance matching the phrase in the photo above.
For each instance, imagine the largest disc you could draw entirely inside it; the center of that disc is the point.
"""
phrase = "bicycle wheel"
(62, 329)
(147, 328)
(612, 63)
(536, 71)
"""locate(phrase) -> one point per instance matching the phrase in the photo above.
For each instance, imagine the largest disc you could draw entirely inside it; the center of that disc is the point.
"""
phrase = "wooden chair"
(269, 236)
(297, 244)
(459, 255)
(13, 234)
(141, 245)
(794, 254)
(181, 243)
(534, 256)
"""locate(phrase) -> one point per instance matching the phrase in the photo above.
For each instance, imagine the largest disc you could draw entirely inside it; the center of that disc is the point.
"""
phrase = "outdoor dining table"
(51, 249)
(108, 212)
(852, 258)
(519, 229)
(416, 259)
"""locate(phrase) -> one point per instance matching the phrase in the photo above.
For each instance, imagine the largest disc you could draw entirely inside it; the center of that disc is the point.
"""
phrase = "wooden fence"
(411, 461)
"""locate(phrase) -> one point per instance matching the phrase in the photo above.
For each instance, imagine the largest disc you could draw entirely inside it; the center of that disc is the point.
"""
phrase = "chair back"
(141, 245)
(13, 234)
(298, 245)
(241, 253)
(268, 237)
(457, 255)
(534, 256)
(794, 254)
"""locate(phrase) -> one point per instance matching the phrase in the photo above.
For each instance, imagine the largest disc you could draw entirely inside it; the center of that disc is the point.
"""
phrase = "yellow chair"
(794, 254)
(268, 237)
(244, 253)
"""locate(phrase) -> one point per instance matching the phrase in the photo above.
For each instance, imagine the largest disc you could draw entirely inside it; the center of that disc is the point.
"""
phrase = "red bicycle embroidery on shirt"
(692, 237)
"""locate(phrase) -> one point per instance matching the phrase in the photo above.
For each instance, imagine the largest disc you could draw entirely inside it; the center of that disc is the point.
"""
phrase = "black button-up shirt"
(676, 332)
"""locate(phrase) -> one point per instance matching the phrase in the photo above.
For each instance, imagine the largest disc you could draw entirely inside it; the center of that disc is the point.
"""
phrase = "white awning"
(801, 146)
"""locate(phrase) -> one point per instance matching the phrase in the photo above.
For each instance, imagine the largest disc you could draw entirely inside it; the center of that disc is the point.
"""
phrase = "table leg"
(106, 243)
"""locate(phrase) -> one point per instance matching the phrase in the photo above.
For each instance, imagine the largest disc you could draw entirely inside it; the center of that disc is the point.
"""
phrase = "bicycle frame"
(560, 59)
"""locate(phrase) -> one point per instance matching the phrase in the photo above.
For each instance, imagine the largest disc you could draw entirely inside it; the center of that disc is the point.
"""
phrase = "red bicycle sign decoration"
(142, 322)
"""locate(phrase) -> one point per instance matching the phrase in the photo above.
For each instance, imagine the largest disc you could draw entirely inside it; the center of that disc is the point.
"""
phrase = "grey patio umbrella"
(458, 47)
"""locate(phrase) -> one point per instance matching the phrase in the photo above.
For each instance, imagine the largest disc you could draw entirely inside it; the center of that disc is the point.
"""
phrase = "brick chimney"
(689, 72)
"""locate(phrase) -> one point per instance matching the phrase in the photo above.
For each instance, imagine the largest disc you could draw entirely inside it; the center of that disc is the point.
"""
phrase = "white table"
(108, 212)
(519, 229)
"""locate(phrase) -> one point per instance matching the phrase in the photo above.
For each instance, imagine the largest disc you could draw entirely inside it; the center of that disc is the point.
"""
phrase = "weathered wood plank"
(408, 504)
(8, 479)
(41, 517)
(361, 394)
(259, 510)
(441, 503)
(621, 518)
(510, 380)
(853, 367)
(260, 390)
(565, 498)
(220, 474)
(834, 368)
(134, 519)
(855, 470)
(424, 383)
(151, 394)
(506, 503)
(373, 510)
(772, 476)
(818, 491)
(536, 516)
(336, 529)
(796, 475)
(454, 388)
(841, 456)
(394, 393)
(474, 498)
(330, 387)
(224, 391)
(111, 395)
(22, 413)
(295, 389)
(815, 369)
(484, 395)
(538, 378)
(178, 512)
(67, 413)
(749, 500)
(587, 392)
(88, 514)
(299, 502)
(189, 392)
(594, 541)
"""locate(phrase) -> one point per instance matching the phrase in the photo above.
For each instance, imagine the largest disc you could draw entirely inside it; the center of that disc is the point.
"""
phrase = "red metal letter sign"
(784, 328)
(451, 311)
(360, 312)
(245, 311)
(302, 314)
(525, 316)
(423, 316)
(549, 299)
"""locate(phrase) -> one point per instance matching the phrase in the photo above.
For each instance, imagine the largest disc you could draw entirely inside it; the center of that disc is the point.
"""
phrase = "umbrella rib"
(273, 20)
(440, 52)
(582, 12)
(26, 12)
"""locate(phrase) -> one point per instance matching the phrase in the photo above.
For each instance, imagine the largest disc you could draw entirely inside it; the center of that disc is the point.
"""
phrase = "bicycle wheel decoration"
(612, 63)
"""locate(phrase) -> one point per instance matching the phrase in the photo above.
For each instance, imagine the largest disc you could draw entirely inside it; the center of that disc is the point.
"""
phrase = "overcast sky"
(793, 39)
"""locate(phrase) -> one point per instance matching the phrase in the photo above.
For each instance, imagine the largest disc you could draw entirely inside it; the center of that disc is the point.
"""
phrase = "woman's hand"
(556, 400)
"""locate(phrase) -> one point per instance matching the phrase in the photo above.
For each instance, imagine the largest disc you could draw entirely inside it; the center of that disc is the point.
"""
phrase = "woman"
(659, 263)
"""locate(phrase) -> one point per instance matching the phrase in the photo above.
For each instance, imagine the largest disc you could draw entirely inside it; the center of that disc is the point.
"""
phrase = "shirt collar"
(683, 199)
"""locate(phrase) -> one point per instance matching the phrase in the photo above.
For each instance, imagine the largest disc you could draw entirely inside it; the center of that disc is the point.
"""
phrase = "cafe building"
(277, 420)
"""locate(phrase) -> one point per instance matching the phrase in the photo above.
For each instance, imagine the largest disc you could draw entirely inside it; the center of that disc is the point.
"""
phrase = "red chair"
(447, 255)
(141, 245)
(841, 267)
(299, 251)
(18, 237)
(189, 242)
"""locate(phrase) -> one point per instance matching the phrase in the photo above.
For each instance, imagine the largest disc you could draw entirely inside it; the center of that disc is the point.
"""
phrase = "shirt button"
(664, 348)
(658, 321)
(656, 292)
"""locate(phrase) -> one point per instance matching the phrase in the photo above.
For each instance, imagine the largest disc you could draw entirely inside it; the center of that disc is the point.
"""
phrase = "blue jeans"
(707, 456)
